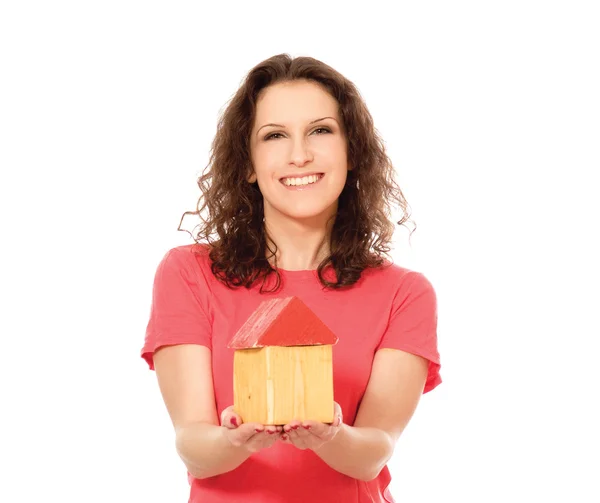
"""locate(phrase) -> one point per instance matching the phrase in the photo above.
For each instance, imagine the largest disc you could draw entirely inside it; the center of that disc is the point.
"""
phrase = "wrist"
(338, 439)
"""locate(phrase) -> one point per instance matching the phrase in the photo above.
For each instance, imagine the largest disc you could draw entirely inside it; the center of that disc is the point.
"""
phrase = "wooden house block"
(283, 367)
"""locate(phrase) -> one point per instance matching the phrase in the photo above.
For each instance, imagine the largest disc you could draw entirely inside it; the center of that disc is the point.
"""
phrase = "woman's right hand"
(251, 436)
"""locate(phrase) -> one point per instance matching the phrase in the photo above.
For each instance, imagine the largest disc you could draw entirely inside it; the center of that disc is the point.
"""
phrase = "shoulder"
(190, 255)
(397, 277)
(190, 250)
(190, 261)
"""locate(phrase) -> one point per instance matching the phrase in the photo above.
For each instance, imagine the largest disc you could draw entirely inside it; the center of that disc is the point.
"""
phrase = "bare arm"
(358, 452)
(206, 452)
(393, 393)
(184, 374)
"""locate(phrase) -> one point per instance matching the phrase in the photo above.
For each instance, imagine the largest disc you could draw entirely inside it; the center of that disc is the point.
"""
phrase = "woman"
(298, 197)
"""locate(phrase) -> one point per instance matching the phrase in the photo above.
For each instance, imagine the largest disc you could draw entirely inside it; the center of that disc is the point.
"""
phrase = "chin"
(309, 213)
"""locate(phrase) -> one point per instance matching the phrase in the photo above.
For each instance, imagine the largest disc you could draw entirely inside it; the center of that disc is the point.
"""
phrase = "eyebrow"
(279, 125)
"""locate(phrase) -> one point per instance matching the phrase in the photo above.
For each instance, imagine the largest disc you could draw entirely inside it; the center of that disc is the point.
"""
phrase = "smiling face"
(297, 132)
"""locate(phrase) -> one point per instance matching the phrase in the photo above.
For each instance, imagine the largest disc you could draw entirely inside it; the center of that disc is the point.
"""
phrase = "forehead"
(295, 101)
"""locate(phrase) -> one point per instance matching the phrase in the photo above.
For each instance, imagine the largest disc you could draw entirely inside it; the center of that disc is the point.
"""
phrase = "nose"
(300, 154)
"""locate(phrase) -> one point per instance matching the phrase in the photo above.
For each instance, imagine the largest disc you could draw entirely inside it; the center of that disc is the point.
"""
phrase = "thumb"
(230, 419)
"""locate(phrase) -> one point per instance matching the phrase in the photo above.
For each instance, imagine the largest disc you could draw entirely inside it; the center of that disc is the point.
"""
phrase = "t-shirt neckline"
(301, 273)
(307, 274)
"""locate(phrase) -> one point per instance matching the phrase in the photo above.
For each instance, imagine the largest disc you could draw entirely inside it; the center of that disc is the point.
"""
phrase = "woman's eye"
(275, 135)
(268, 137)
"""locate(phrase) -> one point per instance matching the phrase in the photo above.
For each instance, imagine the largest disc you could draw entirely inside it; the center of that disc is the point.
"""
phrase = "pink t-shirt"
(389, 307)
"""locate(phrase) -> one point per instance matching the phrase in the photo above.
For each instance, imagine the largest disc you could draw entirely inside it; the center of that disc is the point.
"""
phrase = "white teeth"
(301, 181)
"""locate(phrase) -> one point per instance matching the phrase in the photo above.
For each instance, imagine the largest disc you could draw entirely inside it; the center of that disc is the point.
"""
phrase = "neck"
(301, 244)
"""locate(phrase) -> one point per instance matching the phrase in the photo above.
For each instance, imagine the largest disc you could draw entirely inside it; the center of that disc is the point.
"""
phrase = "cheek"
(331, 149)
(268, 162)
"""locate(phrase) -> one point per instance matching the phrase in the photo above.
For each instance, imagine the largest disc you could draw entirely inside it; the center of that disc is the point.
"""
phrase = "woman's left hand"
(312, 434)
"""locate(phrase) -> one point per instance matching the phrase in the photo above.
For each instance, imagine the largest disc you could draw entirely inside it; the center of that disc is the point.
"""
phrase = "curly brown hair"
(362, 228)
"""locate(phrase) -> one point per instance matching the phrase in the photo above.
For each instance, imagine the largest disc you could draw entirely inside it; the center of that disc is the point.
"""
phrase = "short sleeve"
(180, 300)
(413, 324)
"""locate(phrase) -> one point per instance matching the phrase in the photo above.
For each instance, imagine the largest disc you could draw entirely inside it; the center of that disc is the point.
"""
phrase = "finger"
(255, 427)
(272, 429)
(230, 419)
(337, 421)
(337, 409)
(316, 428)
(292, 425)
(337, 414)
(225, 412)
(245, 432)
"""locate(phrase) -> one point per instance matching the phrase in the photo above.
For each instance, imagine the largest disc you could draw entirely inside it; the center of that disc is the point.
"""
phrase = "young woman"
(298, 190)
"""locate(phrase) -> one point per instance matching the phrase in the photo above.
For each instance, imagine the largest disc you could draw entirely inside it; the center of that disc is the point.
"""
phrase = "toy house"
(282, 365)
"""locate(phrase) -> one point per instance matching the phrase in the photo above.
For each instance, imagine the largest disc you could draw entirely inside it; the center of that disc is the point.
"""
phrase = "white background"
(491, 115)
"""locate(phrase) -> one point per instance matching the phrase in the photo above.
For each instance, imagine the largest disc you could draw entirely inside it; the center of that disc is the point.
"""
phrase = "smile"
(300, 183)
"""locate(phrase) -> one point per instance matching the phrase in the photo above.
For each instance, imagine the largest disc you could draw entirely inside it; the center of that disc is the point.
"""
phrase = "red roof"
(282, 322)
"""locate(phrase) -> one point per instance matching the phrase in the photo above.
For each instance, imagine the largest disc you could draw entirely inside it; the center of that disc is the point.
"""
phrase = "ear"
(252, 178)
